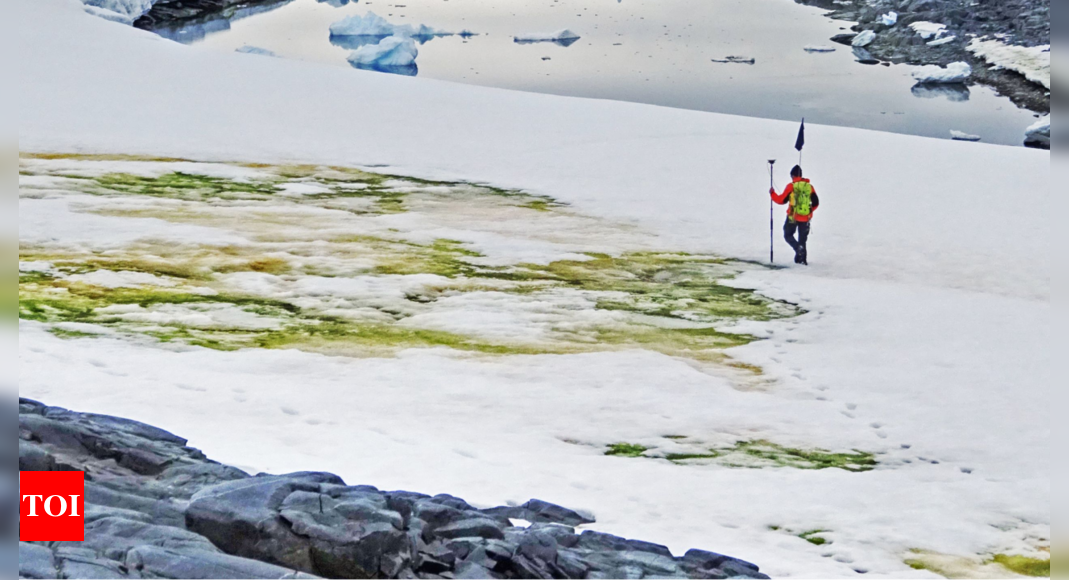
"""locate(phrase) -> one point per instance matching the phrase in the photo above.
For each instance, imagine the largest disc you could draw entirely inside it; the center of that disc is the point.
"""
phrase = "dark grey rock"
(156, 508)
(36, 562)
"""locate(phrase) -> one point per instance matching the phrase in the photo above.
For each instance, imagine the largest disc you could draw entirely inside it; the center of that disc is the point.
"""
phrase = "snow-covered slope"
(927, 335)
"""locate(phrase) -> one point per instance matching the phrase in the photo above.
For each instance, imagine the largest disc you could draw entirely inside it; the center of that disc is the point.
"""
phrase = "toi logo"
(52, 506)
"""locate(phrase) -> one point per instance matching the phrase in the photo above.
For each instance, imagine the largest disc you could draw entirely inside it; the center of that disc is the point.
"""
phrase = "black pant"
(789, 228)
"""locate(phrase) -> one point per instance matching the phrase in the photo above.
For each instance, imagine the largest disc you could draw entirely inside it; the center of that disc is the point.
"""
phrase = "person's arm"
(781, 198)
(816, 201)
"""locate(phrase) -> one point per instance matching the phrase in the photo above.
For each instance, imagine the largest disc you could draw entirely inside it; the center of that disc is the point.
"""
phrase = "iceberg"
(393, 54)
(1038, 135)
(864, 39)
(955, 72)
(373, 25)
(889, 19)
(959, 136)
(565, 37)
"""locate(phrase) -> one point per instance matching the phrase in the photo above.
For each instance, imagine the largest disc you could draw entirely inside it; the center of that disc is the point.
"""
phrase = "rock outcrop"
(156, 508)
(937, 32)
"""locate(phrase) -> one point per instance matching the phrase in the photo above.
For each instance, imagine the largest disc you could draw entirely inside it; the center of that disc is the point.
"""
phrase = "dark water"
(649, 51)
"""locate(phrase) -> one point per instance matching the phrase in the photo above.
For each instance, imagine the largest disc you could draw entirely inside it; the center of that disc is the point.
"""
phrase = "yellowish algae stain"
(350, 262)
(998, 566)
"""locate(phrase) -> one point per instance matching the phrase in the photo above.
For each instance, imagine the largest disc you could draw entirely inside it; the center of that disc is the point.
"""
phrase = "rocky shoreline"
(156, 508)
(1015, 22)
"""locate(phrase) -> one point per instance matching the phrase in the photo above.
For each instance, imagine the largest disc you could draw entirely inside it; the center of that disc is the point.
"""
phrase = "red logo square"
(52, 506)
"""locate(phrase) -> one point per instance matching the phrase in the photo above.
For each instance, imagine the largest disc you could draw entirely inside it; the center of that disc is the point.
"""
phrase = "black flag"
(801, 137)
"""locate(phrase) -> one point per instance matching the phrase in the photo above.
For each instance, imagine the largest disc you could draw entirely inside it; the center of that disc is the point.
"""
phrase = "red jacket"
(785, 197)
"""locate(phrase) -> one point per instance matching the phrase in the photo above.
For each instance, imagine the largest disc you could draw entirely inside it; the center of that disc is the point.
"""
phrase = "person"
(802, 201)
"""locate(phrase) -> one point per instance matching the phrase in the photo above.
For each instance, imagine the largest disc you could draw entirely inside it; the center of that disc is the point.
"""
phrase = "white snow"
(547, 37)
(919, 332)
(1032, 62)
(942, 41)
(954, 73)
(889, 19)
(372, 24)
(928, 30)
(864, 38)
(962, 136)
(819, 48)
(255, 50)
(111, 279)
(132, 9)
(392, 51)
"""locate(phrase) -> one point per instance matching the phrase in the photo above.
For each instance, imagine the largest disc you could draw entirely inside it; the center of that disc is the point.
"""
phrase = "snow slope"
(927, 334)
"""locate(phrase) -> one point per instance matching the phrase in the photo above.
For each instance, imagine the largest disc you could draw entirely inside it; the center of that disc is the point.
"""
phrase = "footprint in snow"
(185, 387)
(849, 415)
(289, 411)
(851, 406)
(876, 425)
(98, 364)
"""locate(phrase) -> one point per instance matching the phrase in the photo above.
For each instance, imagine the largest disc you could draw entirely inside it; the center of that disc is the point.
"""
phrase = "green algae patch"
(814, 537)
(668, 302)
(1024, 565)
(762, 455)
(345, 338)
(626, 450)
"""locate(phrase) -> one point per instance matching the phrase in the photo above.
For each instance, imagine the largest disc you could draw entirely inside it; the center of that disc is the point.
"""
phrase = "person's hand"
(772, 191)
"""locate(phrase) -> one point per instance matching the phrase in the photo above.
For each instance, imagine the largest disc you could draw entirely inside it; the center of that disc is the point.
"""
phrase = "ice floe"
(960, 136)
(372, 24)
(864, 38)
(954, 73)
(1038, 134)
(819, 48)
(561, 36)
(394, 54)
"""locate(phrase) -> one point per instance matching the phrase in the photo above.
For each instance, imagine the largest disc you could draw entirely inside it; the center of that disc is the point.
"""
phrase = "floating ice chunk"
(959, 136)
(864, 38)
(942, 41)
(256, 50)
(735, 60)
(928, 30)
(1032, 62)
(334, 3)
(1038, 135)
(821, 48)
(392, 54)
(559, 36)
(889, 19)
(372, 24)
(109, 15)
(132, 9)
(955, 72)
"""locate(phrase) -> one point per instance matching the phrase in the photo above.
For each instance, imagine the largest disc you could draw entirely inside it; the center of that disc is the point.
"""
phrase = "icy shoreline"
(939, 32)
